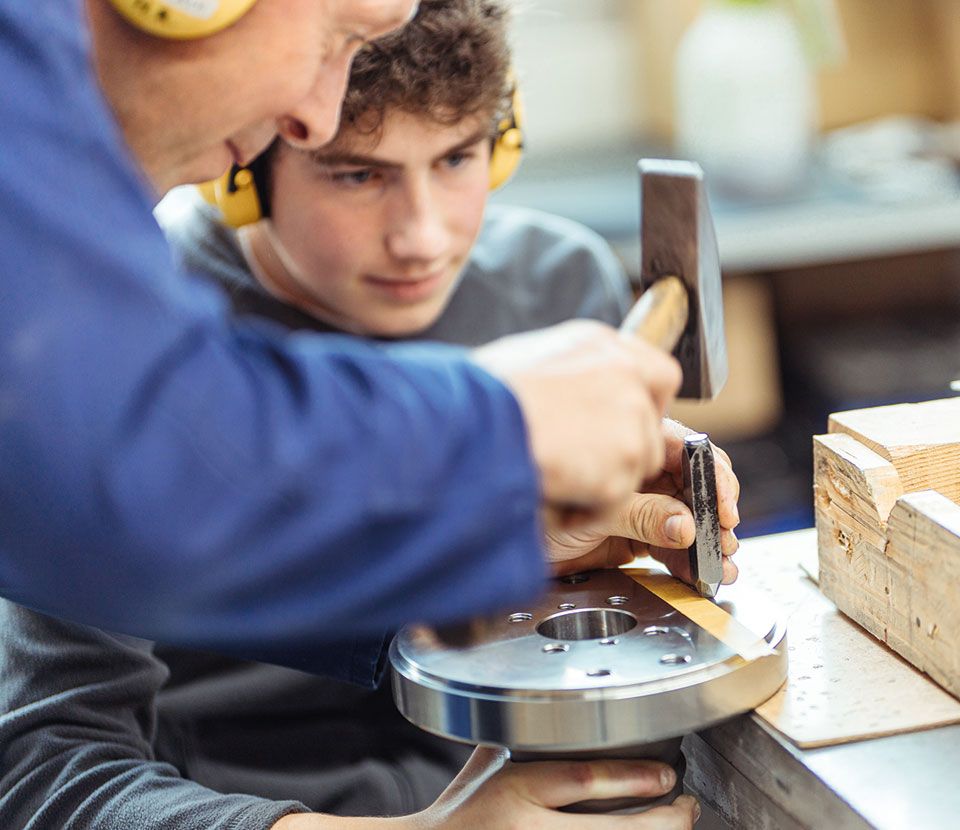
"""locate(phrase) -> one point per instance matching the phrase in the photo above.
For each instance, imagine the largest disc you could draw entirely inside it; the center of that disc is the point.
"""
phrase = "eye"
(458, 159)
(352, 178)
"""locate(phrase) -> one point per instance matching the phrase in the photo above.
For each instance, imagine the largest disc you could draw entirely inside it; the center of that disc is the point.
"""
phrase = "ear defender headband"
(235, 194)
(182, 19)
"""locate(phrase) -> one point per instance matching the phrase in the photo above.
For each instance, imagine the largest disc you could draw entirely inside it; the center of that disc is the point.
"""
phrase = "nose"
(417, 232)
(314, 120)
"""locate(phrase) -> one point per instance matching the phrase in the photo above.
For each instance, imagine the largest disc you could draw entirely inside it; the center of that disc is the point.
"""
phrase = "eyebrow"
(334, 159)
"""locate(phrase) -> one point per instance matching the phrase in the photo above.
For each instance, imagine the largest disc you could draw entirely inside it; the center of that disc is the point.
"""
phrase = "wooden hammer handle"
(660, 315)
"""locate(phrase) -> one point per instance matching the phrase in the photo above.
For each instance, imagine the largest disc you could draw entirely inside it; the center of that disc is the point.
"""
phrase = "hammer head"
(677, 238)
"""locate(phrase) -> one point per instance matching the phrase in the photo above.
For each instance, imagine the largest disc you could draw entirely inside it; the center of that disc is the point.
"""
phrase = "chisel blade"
(700, 494)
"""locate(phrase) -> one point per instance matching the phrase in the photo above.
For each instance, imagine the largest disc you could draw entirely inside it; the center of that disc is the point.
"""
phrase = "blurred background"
(829, 131)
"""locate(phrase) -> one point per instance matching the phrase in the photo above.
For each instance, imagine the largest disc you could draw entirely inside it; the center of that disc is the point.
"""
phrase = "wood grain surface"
(887, 483)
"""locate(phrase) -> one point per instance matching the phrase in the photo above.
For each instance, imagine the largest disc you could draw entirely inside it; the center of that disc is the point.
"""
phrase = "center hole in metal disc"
(587, 624)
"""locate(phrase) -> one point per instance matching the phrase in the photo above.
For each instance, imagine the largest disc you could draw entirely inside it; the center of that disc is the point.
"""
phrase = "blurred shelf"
(826, 223)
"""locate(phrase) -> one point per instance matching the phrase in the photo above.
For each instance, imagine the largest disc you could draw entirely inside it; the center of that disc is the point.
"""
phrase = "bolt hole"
(675, 659)
(599, 673)
(655, 630)
(618, 600)
(586, 624)
(567, 606)
(521, 616)
(609, 641)
(555, 648)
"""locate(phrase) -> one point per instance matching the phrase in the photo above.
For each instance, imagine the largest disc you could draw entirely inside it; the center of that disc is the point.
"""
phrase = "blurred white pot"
(745, 100)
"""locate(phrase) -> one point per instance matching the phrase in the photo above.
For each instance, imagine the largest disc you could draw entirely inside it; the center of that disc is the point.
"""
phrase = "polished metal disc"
(597, 662)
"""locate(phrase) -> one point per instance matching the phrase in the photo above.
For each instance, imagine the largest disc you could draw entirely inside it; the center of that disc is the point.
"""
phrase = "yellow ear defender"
(235, 196)
(508, 143)
(182, 19)
(235, 192)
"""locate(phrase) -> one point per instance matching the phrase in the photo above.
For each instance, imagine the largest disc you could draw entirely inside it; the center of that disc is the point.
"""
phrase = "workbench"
(751, 776)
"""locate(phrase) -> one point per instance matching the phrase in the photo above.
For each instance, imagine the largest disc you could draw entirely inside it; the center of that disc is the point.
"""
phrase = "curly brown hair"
(451, 62)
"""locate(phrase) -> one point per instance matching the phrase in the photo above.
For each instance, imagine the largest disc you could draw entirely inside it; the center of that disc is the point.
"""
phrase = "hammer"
(681, 311)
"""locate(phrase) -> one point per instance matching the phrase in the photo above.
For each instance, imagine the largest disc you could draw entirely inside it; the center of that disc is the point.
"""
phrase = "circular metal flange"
(598, 662)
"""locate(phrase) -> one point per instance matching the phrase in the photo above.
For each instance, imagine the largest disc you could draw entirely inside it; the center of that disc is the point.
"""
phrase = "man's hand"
(654, 522)
(592, 401)
(496, 794)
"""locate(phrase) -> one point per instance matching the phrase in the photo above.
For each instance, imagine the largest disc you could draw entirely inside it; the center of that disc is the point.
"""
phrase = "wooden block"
(921, 440)
(887, 496)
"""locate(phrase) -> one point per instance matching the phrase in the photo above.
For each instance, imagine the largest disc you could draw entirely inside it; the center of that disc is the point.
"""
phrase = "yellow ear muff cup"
(234, 194)
(507, 147)
(505, 157)
(182, 19)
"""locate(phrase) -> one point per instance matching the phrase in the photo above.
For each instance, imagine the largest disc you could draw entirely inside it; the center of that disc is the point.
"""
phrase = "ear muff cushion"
(182, 19)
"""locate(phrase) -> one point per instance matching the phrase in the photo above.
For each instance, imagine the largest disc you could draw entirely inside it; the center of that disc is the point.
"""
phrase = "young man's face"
(194, 107)
(377, 233)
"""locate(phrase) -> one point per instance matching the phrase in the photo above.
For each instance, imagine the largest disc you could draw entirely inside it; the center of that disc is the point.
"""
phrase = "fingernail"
(736, 516)
(696, 811)
(673, 527)
(667, 778)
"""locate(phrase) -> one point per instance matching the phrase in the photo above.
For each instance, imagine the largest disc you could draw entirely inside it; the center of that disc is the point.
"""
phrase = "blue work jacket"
(171, 473)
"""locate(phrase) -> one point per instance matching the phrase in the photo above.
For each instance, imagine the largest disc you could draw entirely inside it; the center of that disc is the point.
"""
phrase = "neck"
(275, 269)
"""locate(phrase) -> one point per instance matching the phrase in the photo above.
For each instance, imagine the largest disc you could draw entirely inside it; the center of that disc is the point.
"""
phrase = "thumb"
(482, 763)
(656, 519)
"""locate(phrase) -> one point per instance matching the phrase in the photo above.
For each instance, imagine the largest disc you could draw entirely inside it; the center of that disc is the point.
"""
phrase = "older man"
(175, 475)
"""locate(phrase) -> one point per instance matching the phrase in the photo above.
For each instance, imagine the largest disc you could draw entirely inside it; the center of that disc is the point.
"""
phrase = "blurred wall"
(579, 74)
(903, 56)
(597, 73)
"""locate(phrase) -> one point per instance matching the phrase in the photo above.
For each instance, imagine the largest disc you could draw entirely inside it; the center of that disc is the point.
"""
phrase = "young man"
(374, 235)
(160, 456)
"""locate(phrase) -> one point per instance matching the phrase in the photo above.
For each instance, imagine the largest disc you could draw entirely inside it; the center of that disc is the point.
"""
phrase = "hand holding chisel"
(682, 310)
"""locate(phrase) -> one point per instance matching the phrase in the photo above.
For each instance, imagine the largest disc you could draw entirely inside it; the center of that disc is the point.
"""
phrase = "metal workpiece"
(700, 495)
(598, 662)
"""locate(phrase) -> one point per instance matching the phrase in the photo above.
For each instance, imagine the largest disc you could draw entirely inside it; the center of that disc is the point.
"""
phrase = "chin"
(210, 165)
(403, 326)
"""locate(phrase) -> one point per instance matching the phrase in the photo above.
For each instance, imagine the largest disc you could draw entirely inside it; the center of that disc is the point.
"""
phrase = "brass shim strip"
(705, 613)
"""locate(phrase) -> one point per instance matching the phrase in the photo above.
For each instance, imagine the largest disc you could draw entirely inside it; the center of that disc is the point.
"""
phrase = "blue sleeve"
(179, 476)
(77, 724)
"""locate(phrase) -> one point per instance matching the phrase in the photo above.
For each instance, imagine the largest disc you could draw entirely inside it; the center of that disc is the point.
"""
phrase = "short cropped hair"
(450, 62)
